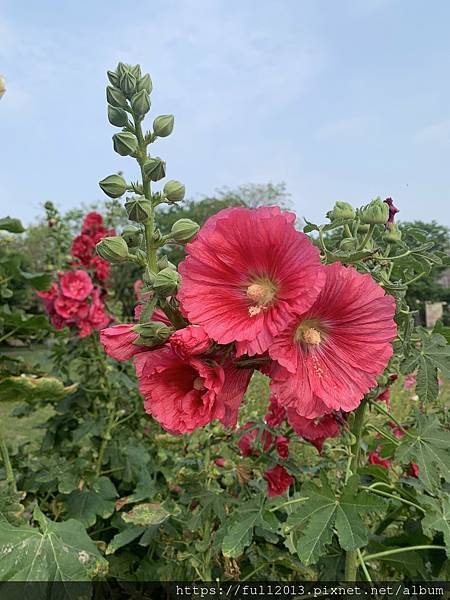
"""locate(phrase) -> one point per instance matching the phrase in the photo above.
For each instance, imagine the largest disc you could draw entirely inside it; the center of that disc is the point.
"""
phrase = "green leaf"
(87, 505)
(437, 517)
(240, 530)
(429, 447)
(52, 552)
(40, 281)
(147, 514)
(123, 538)
(28, 388)
(11, 509)
(314, 522)
(349, 257)
(11, 225)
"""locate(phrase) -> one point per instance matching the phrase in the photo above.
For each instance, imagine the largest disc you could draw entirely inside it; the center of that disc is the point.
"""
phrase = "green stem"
(400, 550)
(383, 411)
(7, 462)
(351, 564)
(348, 233)
(363, 566)
(388, 495)
(288, 503)
(367, 237)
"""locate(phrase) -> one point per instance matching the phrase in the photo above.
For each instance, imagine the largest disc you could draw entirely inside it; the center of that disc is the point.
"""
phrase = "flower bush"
(243, 423)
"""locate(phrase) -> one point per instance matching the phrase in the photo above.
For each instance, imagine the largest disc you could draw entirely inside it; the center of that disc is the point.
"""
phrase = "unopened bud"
(166, 282)
(113, 249)
(392, 233)
(375, 213)
(117, 116)
(145, 83)
(127, 83)
(115, 97)
(125, 143)
(363, 228)
(114, 186)
(163, 125)
(140, 103)
(341, 210)
(113, 78)
(348, 244)
(139, 209)
(152, 333)
(155, 168)
(132, 236)
(184, 230)
(174, 191)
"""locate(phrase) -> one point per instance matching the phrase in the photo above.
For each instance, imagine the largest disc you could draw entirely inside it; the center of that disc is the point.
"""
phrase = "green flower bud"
(115, 97)
(128, 83)
(164, 262)
(125, 143)
(113, 78)
(152, 333)
(113, 249)
(139, 209)
(114, 186)
(348, 245)
(136, 71)
(375, 213)
(122, 68)
(2, 86)
(145, 83)
(140, 103)
(363, 228)
(163, 125)
(166, 282)
(174, 191)
(117, 116)
(392, 233)
(184, 230)
(341, 210)
(132, 235)
(155, 168)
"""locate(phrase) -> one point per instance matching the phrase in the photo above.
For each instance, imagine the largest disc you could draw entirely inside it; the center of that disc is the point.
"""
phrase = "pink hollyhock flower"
(67, 308)
(97, 313)
(276, 413)
(278, 481)
(220, 462)
(316, 430)
(101, 268)
(118, 342)
(399, 433)
(234, 387)
(92, 220)
(282, 446)
(410, 381)
(182, 395)
(247, 273)
(83, 247)
(331, 356)
(190, 341)
(49, 294)
(76, 285)
(375, 459)
(414, 470)
(385, 396)
(247, 443)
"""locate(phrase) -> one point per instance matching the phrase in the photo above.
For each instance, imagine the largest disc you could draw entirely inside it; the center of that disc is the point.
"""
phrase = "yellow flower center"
(308, 334)
(198, 384)
(261, 294)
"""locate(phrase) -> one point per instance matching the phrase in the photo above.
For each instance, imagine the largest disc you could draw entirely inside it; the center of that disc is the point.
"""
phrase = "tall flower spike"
(247, 275)
(330, 357)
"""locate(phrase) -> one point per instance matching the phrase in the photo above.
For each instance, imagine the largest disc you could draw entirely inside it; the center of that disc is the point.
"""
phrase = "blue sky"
(342, 100)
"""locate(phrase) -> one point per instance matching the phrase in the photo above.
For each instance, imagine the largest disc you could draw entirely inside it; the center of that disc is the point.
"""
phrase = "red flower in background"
(92, 221)
(276, 413)
(315, 431)
(282, 446)
(248, 442)
(330, 357)
(247, 274)
(278, 481)
(76, 285)
(375, 459)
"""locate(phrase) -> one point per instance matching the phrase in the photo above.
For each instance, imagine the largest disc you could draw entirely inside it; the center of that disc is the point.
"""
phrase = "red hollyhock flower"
(234, 387)
(181, 395)
(315, 431)
(83, 247)
(97, 314)
(101, 267)
(399, 433)
(278, 481)
(385, 396)
(190, 341)
(76, 285)
(331, 356)
(247, 273)
(67, 308)
(276, 413)
(220, 462)
(118, 342)
(92, 220)
(247, 443)
(375, 459)
(282, 446)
